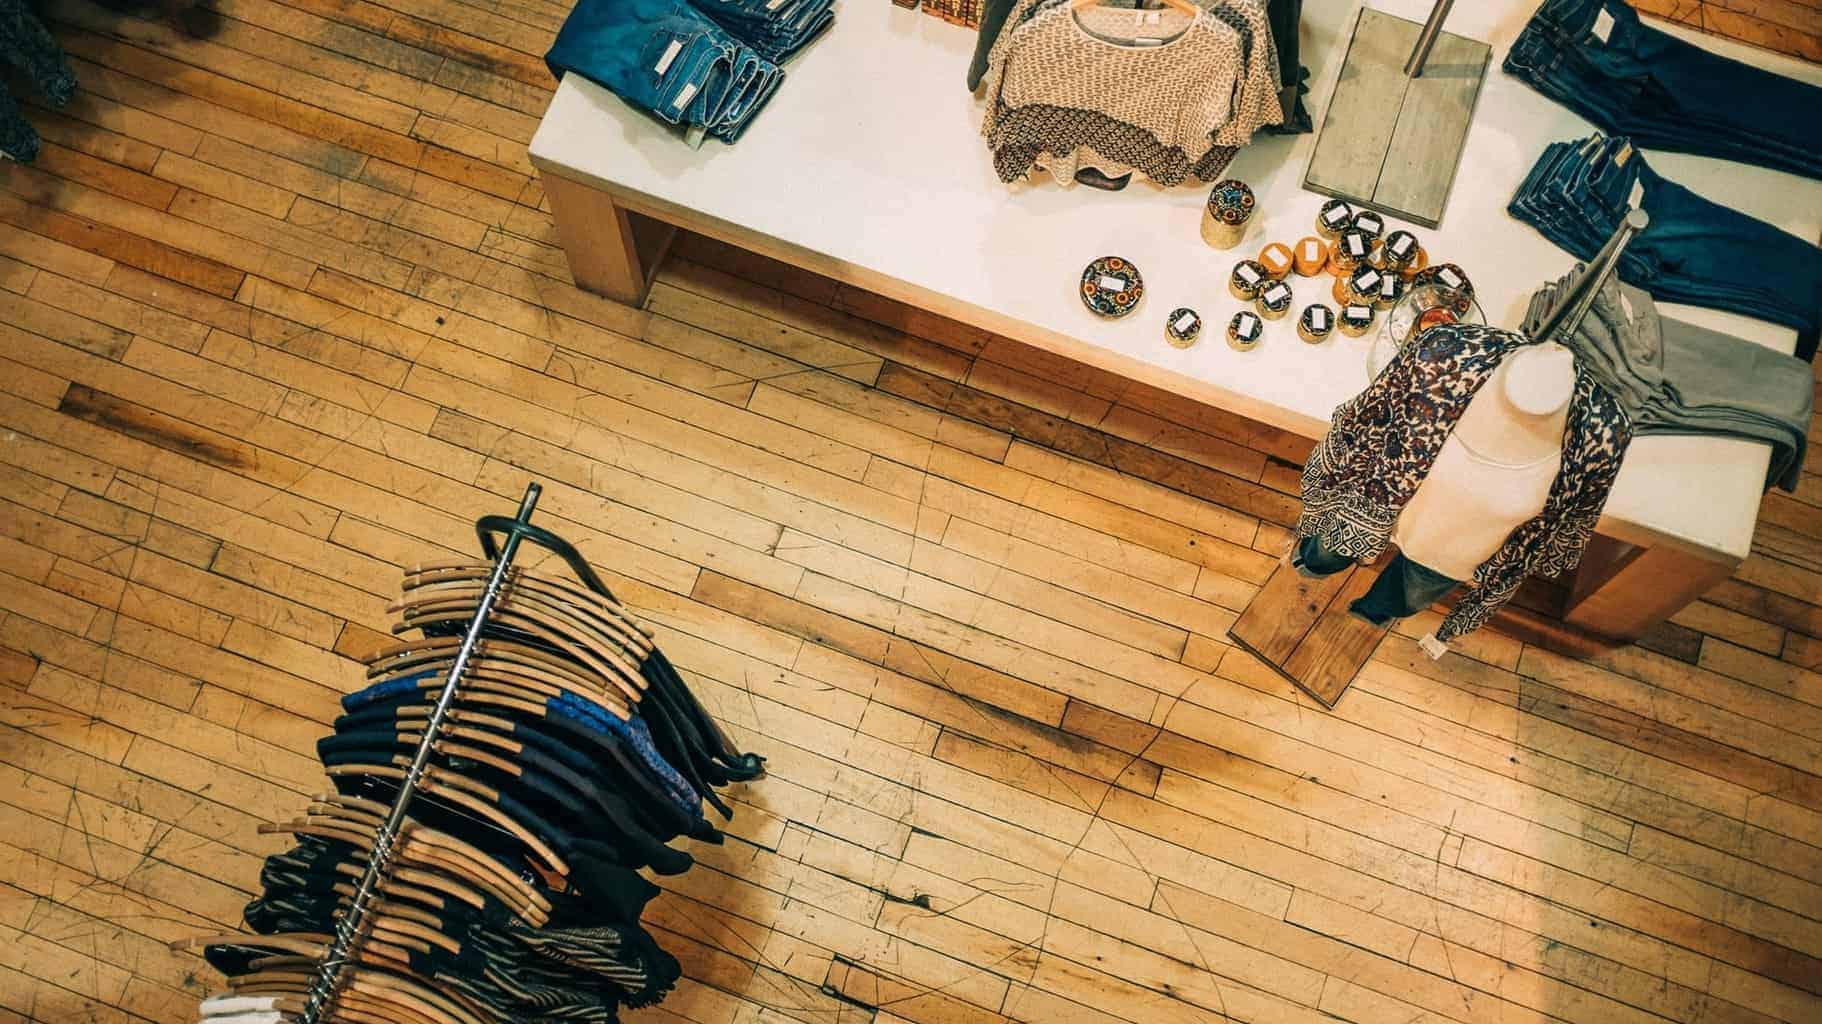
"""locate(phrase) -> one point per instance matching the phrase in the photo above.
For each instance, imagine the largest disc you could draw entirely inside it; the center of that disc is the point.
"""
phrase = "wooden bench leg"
(1622, 593)
(612, 251)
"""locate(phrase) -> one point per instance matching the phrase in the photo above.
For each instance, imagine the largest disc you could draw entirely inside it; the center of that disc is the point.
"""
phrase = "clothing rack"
(1578, 298)
(338, 959)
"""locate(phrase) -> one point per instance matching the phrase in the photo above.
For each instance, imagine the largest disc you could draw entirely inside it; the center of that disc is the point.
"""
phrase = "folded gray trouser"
(1677, 378)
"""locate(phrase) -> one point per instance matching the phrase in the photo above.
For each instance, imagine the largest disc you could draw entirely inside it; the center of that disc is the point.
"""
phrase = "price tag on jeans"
(683, 96)
(1603, 25)
(670, 54)
(1637, 195)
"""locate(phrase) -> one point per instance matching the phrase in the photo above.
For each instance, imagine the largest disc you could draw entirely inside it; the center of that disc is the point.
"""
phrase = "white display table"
(868, 167)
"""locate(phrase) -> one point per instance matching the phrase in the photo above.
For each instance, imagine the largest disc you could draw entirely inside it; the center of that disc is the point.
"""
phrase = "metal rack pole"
(1426, 39)
(333, 970)
(1575, 302)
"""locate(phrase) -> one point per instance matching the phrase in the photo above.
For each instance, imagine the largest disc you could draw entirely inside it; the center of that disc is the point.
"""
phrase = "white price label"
(1402, 245)
(1246, 274)
(1319, 318)
(1368, 281)
(1310, 249)
(1360, 312)
(1449, 277)
(670, 54)
(1111, 284)
(1185, 322)
(1277, 293)
(1356, 246)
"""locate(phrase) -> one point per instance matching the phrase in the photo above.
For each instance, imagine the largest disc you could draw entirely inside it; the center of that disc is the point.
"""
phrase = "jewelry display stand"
(1302, 627)
(1396, 125)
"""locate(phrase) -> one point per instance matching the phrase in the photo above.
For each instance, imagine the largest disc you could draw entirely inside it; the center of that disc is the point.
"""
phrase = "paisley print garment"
(1382, 442)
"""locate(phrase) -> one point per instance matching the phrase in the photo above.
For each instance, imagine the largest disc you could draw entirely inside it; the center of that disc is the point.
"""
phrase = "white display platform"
(868, 166)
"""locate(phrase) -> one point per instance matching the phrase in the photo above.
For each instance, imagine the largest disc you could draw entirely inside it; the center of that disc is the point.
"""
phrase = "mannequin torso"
(1496, 469)
(1518, 416)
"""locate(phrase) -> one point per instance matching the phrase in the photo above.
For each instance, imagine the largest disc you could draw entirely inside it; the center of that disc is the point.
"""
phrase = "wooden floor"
(281, 313)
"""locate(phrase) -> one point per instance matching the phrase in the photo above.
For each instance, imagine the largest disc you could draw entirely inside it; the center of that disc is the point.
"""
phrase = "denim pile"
(571, 756)
(1694, 250)
(1596, 58)
(1676, 378)
(31, 50)
(706, 65)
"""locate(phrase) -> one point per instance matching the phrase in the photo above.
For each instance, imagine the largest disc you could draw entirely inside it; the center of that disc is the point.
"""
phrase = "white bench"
(868, 167)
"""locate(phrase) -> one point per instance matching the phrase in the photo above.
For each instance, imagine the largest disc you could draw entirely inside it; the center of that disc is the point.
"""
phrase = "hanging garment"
(1113, 90)
(32, 51)
(1676, 378)
(1382, 443)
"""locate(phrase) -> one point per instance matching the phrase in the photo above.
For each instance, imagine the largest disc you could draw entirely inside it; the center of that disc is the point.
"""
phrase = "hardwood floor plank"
(284, 310)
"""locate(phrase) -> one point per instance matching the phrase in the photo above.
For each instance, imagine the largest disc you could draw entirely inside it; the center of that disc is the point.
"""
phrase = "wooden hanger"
(612, 626)
(434, 652)
(535, 683)
(518, 891)
(587, 649)
(380, 985)
(535, 600)
(449, 880)
(450, 786)
(1180, 6)
(474, 873)
(470, 569)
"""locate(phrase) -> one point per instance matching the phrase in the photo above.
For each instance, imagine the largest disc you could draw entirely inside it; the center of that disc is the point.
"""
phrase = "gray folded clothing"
(1676, 378)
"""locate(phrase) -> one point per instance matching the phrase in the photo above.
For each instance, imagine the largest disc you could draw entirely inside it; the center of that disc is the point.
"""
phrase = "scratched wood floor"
(280, 313)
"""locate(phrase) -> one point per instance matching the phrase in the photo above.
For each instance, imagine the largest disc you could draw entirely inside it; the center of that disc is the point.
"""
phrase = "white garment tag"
(1246, 274)
(1603, 25)
(1185, 322)
(683, 96)
(670, 54)
(1111, 284)
(1431, 646)
(1637, 195)
(1360, 312)
(1448, 277)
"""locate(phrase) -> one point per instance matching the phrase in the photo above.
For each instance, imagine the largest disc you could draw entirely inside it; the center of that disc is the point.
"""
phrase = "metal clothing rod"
(1579, 298)
(337, 960)
(1426, 39)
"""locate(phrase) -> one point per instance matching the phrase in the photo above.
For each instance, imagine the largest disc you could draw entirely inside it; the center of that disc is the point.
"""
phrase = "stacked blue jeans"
(667, 58)
(776, 28)
(1694, 251)
(1596, 58)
